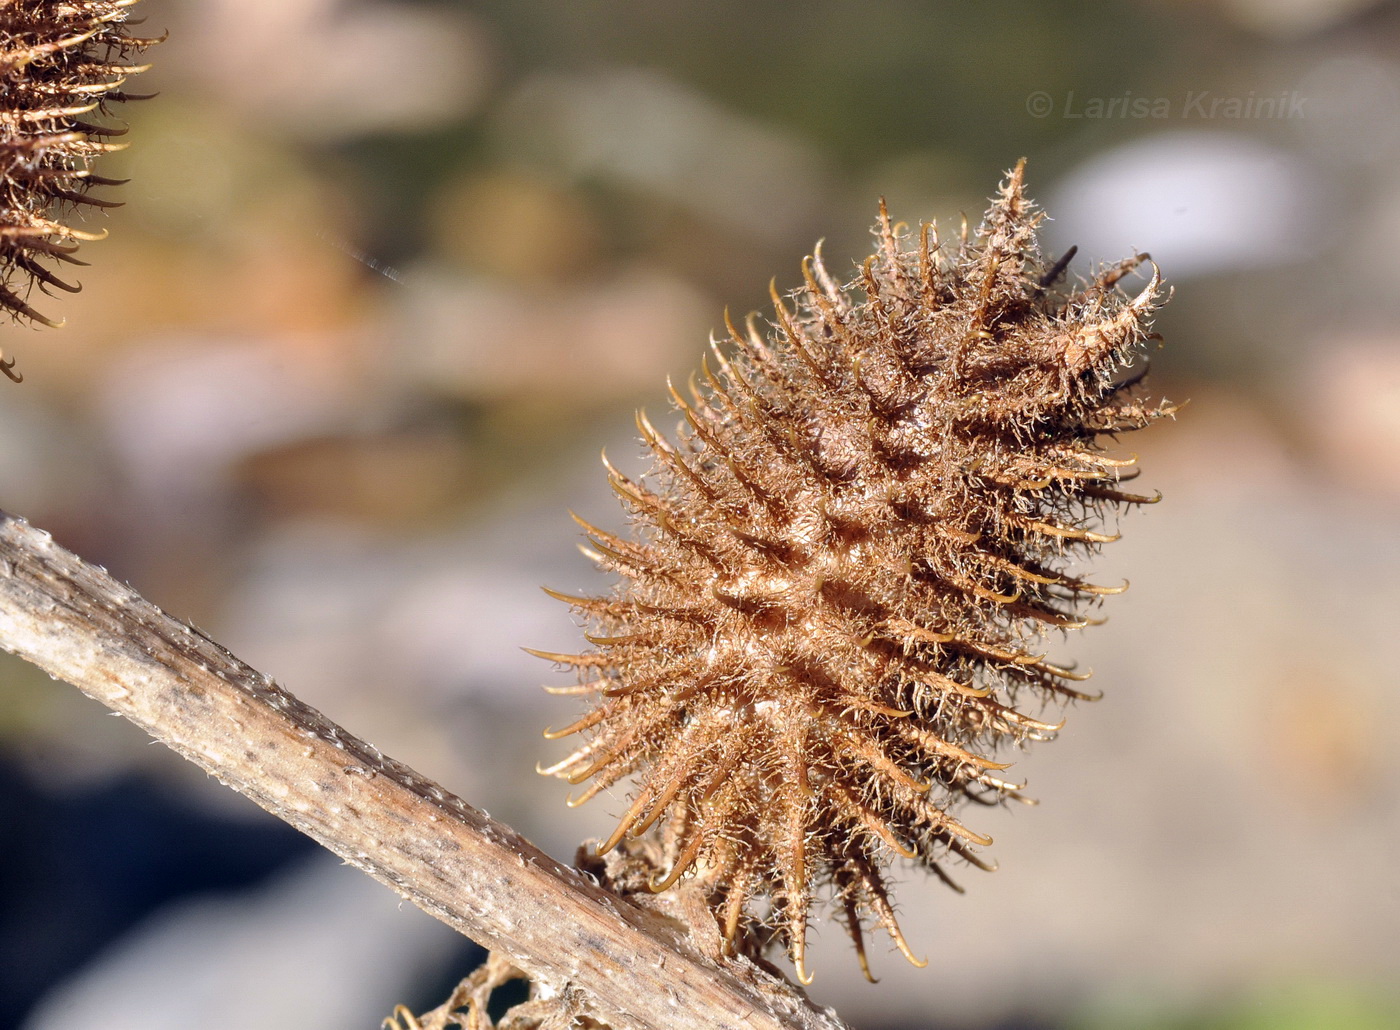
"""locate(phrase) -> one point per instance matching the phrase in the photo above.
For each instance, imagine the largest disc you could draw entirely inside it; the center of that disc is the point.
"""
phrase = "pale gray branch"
(79, 624)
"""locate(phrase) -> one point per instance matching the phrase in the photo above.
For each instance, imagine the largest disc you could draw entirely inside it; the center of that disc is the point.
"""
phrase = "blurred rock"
(326, 69)
(320, 947)
(227, 399)
(1200, 202)
(1291, 18)
(641, 129)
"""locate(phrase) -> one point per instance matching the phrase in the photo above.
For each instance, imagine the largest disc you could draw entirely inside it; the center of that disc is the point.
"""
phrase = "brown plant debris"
(830, 613)
(62, 64)
(468, 1007)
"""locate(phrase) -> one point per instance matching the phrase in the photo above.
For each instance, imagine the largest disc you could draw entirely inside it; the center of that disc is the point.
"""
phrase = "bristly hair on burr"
(830, 607)
(60, 62)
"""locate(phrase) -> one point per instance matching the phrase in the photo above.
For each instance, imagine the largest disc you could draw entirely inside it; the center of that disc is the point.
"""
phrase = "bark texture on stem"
(479, 876)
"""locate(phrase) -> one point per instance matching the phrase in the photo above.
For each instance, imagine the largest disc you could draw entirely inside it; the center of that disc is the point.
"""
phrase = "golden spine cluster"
(61, 65)
(828, 615)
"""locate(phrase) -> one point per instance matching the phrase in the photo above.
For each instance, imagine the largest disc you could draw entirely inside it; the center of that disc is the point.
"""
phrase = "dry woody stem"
(634, 970)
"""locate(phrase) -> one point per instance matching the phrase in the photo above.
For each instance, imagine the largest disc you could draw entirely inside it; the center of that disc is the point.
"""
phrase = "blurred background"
(390, 273)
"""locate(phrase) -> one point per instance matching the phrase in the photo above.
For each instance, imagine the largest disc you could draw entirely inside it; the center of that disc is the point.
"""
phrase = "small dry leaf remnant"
(62, 64)
(468, 1007)
(830, 614)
